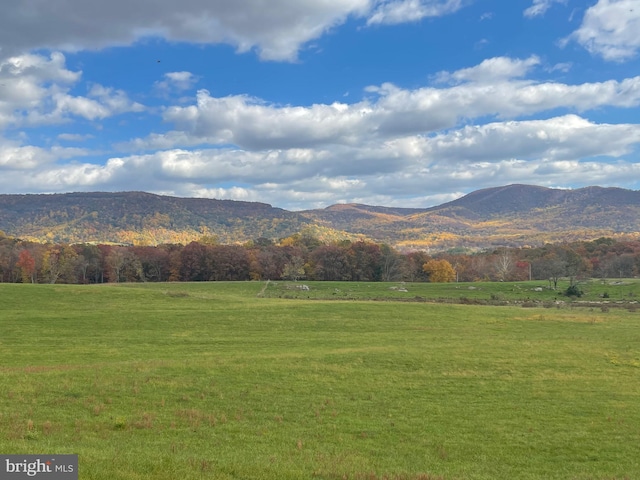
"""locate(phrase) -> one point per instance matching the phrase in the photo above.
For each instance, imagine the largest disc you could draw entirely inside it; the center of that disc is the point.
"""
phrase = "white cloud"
(390, 112)
(610, 29)
(15, 156)
(428, 109)
(35, 91)
(176, 81)
(27, 83)
(116, 101)
(492, 70)
(403, 11)
(277, 29)
(540, 7)
(555, 139)
(101, 102)
(545, 152)
(253, 124)
(21, 157)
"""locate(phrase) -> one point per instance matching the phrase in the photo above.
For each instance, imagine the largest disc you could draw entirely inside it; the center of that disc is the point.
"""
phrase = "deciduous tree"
(330, 262)
(27, 265)
(504, 264)
(294, 269)
(439, 271)
(58, 264)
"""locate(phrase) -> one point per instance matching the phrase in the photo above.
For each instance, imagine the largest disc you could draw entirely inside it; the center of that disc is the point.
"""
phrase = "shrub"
(573, 291)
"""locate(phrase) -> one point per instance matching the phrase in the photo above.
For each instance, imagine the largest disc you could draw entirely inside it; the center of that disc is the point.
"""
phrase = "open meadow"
(251, 380)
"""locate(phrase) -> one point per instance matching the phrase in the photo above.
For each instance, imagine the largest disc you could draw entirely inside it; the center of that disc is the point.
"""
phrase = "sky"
(307, 103)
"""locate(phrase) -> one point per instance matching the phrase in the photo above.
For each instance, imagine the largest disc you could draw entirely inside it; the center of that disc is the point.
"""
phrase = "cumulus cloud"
(427, 109)
(35, 91)
(79, 24)
(387, 172)
(17, 157)
(276, 29)
(101, 102)
(251, 123)
(28, 81)
(389, 112)
(610, 29)
(569, 137)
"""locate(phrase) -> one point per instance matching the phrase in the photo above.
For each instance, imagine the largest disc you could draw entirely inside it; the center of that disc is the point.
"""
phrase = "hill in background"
(141, 218)
(513, 215)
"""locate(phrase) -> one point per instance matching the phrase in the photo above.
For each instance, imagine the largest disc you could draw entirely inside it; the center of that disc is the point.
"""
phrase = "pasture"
(256, 381)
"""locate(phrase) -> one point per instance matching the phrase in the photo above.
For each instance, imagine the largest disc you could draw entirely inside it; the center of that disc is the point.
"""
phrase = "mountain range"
(513, 215)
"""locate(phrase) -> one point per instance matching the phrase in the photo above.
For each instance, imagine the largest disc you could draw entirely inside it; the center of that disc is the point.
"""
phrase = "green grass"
(610, 290)
(218, 380)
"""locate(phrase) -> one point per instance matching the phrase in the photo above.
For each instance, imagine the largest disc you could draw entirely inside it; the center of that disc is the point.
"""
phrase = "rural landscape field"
(319, 240)
(324, 380)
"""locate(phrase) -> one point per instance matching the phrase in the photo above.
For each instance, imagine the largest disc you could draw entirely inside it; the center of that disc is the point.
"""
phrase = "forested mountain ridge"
(526, 199)
(513, 215)
(140, 218)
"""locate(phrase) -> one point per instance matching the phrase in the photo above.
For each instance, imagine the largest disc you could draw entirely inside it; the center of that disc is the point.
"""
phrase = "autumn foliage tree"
(27, 265)
(439, 271)
(303, 256)
(58, 264)
(330, 262)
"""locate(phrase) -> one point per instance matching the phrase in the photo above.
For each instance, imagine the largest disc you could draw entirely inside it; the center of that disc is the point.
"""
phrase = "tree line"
(305, 257)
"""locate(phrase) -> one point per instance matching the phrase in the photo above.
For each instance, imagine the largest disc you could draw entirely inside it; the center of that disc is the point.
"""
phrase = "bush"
(573, 291)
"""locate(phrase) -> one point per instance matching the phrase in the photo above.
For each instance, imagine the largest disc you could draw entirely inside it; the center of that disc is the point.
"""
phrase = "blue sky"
(307, 103)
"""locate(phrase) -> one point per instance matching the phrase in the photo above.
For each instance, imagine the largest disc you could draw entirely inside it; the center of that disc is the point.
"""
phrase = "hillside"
(513, 215)
(142, 218)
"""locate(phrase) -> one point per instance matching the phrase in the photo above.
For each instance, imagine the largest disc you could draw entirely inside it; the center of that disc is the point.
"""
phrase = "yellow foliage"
(440, 271)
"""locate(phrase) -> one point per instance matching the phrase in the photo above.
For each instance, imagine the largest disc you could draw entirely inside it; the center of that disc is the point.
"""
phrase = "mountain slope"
(546, 209)
(523, 199)
(137, 217)
(512, 215)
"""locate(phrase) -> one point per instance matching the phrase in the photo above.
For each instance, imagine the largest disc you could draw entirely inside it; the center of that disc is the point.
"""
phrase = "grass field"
(610, 291)
(229, 381)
